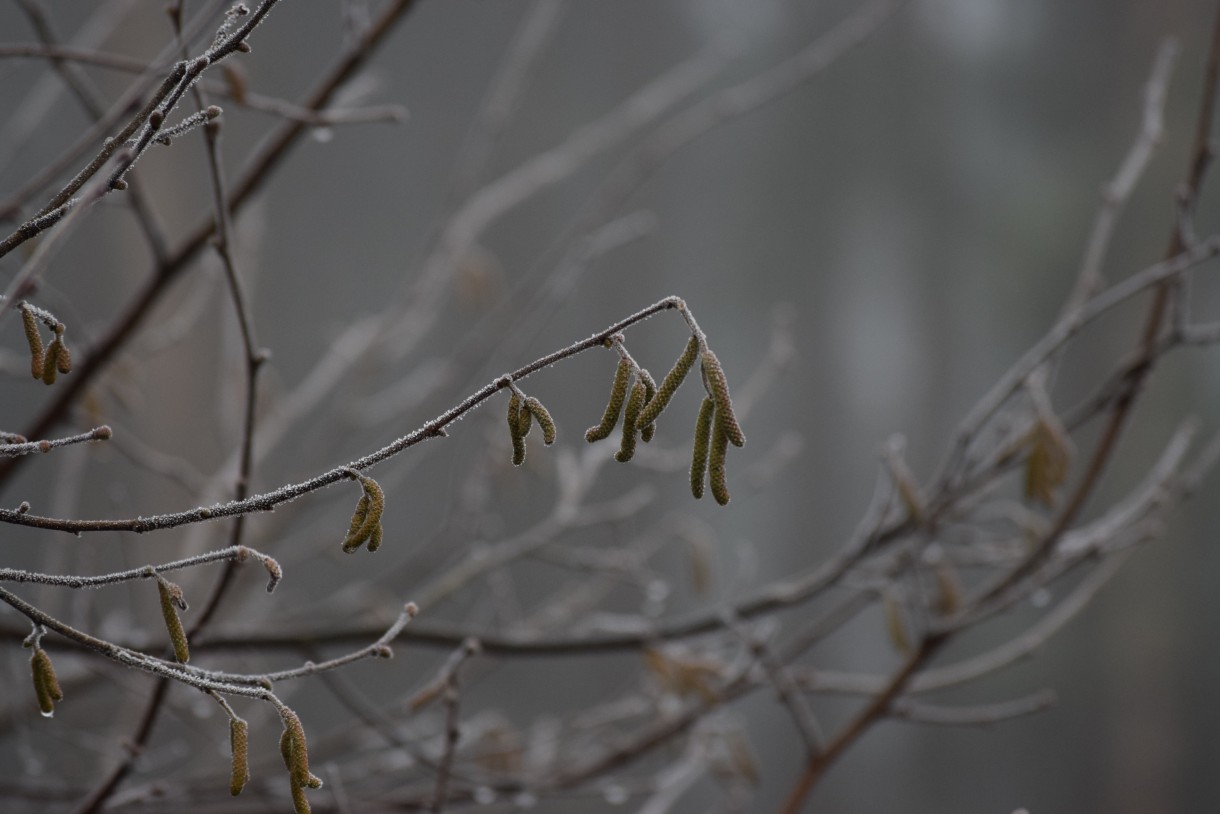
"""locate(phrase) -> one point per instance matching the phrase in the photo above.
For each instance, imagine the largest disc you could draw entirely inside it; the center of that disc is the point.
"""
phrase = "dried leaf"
(895, 624)
(948, 589)
(1046, 466)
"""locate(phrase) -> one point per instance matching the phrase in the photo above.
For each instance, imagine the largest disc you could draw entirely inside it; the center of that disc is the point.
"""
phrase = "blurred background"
(895, 231)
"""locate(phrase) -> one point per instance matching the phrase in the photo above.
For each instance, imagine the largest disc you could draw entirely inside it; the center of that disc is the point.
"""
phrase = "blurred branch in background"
(588, 577)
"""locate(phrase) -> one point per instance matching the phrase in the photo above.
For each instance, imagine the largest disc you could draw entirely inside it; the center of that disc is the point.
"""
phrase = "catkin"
(627, 446)
(716, 455)
(618, 394)
(171, 601)
(515, 427)
(650, 391)
(351, 542)
(669, 385)
(525, 420)
(543, 417)
(239, 742)
(295, 751)
(366, 520)
(49, 361)
(63, 359)
(718, 387)
(300, 803)
(37, 355)
(46, 685)
(703, 438)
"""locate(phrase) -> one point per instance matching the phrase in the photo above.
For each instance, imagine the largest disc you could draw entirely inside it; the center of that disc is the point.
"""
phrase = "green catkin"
(286, 749)
(543, 417)
(37, 355)
(49, 367)
(669, 385)
(703, 439)
(716, 455)
(300, 803)
(239, 742)
(63, 359)
(350, 542)
(515, 427)
(46, 685)
(295, 751)
(525, 419)
(647, 431)
(618, 394)
(627, 447)
(375, 539)
(367, 518)
(718, 388)
(171, 601)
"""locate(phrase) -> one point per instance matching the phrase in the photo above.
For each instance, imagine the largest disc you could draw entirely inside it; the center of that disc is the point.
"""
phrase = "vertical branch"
(1147, 349)
(451, 695)
(878, 706)
(254, 358)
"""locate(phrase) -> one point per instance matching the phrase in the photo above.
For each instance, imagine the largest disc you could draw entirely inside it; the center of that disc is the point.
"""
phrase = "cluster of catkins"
(641, 404)
(55, 358)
